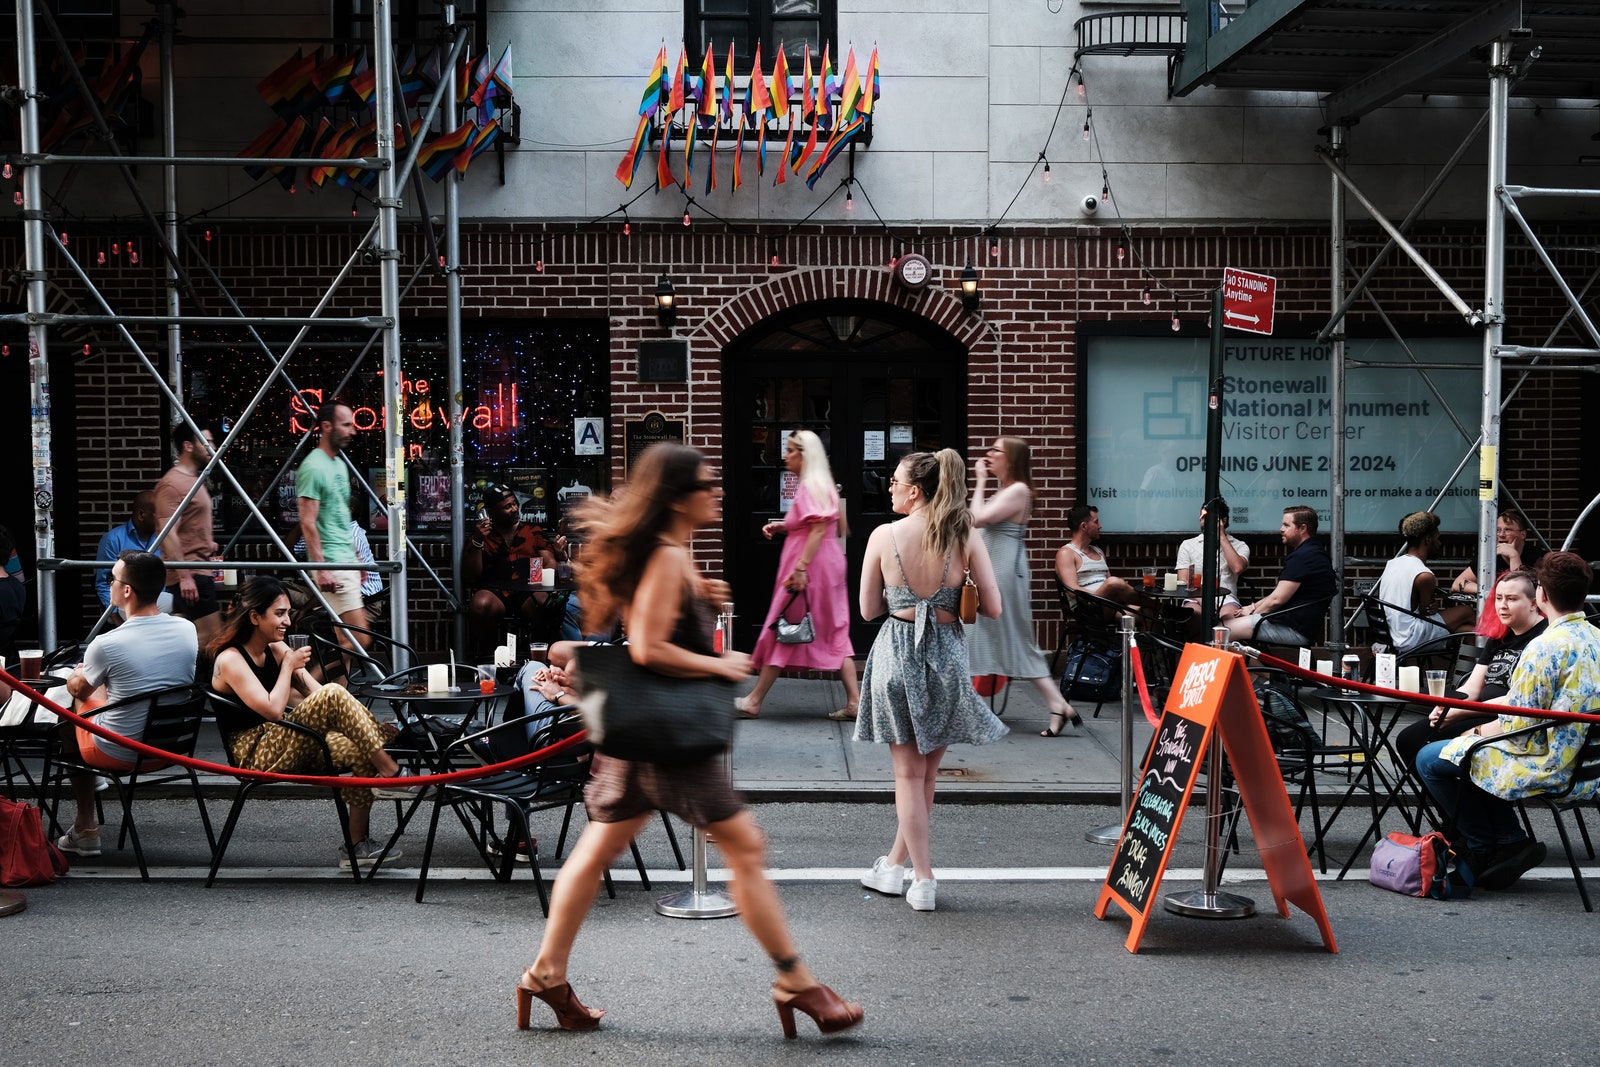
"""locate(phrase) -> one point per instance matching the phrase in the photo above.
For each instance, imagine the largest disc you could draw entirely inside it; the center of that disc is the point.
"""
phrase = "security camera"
(1089, 205)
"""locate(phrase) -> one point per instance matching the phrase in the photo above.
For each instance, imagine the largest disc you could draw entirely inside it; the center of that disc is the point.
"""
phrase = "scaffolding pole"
(44, 531)
(1337, 150)
(1494, 286)
(452, 326)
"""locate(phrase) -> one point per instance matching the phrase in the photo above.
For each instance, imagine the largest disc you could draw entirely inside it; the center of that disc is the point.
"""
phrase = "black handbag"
(1092, 674)
(634, 713)
(795, 633)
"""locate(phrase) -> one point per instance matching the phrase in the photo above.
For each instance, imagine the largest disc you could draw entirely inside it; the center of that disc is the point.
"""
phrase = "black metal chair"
(1095, 630)
(172, 724)
(1585, 771)
(1442, 650)
(230, 710)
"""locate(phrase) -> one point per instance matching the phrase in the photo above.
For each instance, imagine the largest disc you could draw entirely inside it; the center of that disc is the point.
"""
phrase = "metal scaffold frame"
(1490, 317)
(380, 243)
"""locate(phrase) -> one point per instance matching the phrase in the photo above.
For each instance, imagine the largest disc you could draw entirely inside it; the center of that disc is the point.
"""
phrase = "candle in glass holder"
(438, 677)
(1170, 582)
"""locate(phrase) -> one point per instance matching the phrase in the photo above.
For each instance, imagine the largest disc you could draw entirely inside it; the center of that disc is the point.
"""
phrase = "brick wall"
(1023, 350)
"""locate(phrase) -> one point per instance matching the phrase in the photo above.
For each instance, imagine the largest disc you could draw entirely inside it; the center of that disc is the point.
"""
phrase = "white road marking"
(1232, 876)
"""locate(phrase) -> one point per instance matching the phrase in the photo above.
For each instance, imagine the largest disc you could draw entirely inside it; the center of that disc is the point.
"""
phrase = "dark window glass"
(791, 23)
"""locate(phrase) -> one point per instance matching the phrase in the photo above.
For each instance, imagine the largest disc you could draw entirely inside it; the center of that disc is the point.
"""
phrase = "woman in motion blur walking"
(1005, 646)
(917, 693)
(813, 565)
(637, 564)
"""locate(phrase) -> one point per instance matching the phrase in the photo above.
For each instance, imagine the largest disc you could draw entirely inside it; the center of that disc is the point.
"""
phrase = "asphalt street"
(287, 963)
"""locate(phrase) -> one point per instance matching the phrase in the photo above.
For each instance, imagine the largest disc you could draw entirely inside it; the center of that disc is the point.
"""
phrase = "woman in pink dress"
(812, 561)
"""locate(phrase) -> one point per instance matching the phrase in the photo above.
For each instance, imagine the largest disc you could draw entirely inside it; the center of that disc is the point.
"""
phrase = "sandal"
(845, 714)
(744, 708)
(1065, 716)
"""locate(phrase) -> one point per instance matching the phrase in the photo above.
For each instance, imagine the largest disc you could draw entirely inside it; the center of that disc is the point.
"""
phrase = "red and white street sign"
(1248, 300)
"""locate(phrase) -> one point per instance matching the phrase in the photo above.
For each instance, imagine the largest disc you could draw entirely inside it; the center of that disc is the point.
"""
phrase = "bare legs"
(743, 847)
(915, 776)
(750, 706)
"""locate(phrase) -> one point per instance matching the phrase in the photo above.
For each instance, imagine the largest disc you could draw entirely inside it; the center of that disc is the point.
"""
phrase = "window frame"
(762, 27)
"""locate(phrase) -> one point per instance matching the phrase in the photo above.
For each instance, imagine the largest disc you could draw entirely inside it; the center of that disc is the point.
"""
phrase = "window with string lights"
(793, 24)
(524, 383)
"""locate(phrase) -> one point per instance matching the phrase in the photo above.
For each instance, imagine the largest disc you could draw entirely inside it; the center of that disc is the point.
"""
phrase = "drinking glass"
(297, 641)
(486, 677)
(1436, 681)
(1149, 576)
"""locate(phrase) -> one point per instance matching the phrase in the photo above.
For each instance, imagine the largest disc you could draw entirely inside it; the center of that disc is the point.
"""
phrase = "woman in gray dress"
(1005, 646)
(916, 694)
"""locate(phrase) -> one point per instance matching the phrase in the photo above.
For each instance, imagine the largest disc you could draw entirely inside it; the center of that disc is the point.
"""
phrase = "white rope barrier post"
(700, 901)
(1111, 833)
(1208, 902)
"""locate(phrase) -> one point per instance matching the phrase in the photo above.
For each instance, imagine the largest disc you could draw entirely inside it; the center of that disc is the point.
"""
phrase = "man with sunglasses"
(496, 561)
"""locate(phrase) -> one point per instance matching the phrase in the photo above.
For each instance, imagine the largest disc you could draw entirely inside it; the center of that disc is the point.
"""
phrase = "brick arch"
(810, 284)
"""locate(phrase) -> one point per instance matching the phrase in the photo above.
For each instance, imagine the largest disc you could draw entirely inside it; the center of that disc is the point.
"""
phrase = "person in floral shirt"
(1559, 671)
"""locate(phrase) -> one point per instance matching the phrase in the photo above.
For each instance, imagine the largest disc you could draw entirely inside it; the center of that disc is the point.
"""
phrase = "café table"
(1370, 719)
(547, 613)
(432, 718)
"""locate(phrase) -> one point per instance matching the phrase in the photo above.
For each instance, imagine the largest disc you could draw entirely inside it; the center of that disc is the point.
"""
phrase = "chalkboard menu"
(1157, 809)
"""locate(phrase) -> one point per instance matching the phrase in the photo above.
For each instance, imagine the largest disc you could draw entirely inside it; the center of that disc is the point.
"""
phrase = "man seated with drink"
(1233, 556)
(498, 562)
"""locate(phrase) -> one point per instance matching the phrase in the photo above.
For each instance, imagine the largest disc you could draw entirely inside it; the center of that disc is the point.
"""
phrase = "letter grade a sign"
(1248, 300)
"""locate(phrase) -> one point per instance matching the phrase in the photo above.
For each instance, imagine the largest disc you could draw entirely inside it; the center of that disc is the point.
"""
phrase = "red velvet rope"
(331, 781)
(1423, 698)
(1138, 677)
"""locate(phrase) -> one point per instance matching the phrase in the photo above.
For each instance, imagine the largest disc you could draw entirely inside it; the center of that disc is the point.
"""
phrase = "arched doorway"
(873, 381)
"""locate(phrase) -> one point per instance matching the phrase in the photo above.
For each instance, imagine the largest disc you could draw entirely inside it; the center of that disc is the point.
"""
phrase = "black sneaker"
(1511, 862)
(497, 848)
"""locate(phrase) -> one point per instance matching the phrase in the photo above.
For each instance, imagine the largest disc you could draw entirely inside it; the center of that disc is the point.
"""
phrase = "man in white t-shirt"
(147, 652)
(1408, 583)
(1233, 556)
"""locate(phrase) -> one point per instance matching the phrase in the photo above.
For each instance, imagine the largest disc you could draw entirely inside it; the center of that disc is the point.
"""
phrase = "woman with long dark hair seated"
(252, 665)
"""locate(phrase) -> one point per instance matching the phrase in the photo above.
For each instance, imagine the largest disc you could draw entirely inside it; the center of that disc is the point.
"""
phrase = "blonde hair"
(817, 476)
(942, 479)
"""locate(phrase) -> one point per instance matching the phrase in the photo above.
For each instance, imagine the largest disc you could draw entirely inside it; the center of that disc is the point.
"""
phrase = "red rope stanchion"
(330, 781)
(1144, 689)
(1420, 698)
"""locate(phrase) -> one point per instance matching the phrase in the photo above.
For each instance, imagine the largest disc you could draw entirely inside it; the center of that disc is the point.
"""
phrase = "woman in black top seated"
(1491, 678)
(253, 665)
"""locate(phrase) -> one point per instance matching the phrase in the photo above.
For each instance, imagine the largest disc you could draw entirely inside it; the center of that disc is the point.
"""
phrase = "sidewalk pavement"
(794, 753)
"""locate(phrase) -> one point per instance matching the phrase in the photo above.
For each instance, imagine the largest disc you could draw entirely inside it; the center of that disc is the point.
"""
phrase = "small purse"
(801, 632)
(969, 600)
(634, 713)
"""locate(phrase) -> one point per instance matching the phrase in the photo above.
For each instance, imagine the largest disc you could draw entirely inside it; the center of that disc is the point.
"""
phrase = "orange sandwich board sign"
(1248, 300)
(1210, 696)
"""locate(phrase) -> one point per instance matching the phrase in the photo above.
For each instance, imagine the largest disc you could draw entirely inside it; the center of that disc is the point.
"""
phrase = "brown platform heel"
(827, 1009)
(570, 1011)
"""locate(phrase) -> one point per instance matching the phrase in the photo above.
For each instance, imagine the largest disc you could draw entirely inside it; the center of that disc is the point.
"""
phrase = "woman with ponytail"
(916, 694)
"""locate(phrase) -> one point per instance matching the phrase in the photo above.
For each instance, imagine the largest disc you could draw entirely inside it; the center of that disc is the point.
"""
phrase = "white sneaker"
(885, 877)
(920, 895)
(403, 792)
(366, 851)
(86, 843)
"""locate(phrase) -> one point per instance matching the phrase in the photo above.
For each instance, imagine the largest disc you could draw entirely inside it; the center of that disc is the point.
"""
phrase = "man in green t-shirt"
(323, 486)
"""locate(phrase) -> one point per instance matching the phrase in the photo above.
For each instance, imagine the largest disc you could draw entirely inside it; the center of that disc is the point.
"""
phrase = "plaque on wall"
(663, 361)
(640, 434)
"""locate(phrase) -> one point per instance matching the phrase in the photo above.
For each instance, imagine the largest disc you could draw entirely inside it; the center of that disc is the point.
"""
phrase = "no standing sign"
(1247, 300)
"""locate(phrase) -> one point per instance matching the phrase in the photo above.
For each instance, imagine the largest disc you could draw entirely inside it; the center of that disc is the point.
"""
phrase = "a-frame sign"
(1211, 694)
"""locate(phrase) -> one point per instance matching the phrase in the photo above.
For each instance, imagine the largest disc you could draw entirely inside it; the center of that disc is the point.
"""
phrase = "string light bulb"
(64, 238)
(1122, 253)
(627, 228)
(86, 348)
(1083, 90)
(1175, 323)
(208, 235)
(16, 198)
(133, 257)
(293, 188)
(775, 261)
(100, 257)
(994, 248)
(686, 219)
(1086, 117)
(6, 172)
(1105, 193)
(849, 199)
(538, 265)
(5, 350)
(441, 261)
(116, 248)
(354, 200)
(1146, 296)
